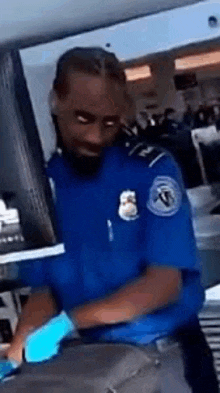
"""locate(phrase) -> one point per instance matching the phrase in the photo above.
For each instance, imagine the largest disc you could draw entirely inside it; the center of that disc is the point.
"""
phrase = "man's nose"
(95, 135)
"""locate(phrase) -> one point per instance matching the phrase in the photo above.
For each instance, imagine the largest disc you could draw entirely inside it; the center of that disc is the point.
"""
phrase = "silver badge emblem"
(128, 206)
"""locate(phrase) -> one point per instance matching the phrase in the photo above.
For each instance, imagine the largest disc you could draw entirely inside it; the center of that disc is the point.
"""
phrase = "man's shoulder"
(143, 154)
(149, 153)
(137, 148)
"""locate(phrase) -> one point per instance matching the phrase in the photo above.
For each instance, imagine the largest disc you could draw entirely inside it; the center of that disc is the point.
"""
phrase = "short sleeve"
(167, 225)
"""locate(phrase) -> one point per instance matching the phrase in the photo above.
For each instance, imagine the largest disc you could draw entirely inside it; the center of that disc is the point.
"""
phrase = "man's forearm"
(152, 291)
(39, 308)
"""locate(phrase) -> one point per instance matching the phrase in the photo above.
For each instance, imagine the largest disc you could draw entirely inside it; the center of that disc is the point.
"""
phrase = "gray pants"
(105, 368)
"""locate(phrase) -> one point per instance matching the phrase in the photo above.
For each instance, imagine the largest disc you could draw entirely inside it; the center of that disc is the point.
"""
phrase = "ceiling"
(30, 22)
(198, 48)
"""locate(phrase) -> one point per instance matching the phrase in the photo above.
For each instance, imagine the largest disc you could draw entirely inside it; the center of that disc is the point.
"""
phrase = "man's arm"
(39, 308)
(155, 289)
(158, 287)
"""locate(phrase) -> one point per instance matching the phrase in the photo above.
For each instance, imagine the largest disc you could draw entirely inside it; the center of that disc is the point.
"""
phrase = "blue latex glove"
(7, 368)
(44, 342)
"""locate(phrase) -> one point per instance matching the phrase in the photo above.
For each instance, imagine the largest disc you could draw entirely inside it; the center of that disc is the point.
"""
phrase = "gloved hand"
(44, 342)
(8, 367)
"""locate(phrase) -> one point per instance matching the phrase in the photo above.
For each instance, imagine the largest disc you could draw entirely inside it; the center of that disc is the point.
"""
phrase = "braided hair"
(94, 61)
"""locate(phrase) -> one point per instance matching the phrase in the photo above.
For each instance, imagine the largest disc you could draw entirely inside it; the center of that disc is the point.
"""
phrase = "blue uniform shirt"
(134, 213)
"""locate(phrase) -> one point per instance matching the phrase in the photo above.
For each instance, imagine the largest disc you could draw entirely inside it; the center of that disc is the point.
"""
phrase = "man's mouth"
(89, 153)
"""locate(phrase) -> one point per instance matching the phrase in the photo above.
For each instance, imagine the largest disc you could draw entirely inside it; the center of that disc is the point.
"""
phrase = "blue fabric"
(95, 265)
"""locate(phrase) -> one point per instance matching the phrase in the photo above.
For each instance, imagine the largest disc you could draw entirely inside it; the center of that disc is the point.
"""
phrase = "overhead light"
(136, 73)
(204, 59)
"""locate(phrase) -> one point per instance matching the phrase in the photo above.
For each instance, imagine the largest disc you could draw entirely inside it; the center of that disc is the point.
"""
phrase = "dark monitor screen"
(185, 81)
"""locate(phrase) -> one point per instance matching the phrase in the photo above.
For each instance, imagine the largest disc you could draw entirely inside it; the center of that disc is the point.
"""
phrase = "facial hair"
(82, 165)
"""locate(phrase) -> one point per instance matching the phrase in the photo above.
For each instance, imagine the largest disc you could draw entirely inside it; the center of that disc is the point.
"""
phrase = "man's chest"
(102, 235)
(106, 216)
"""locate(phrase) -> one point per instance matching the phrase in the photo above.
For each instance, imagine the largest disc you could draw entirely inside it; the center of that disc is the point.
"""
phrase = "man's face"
(89, 116)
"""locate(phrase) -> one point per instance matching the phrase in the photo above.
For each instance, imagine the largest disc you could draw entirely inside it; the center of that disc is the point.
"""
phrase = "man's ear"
(53, 102)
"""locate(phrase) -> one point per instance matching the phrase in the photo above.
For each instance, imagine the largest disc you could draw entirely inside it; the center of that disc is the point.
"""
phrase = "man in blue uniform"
(130, 273)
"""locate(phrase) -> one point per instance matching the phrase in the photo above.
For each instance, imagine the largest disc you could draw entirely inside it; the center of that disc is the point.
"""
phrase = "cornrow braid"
(93, 60)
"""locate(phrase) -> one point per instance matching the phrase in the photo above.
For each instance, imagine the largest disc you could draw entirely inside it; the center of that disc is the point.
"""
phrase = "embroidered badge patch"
(165, 197)
(128, 206)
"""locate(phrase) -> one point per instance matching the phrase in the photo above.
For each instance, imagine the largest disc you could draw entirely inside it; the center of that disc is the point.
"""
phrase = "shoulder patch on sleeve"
(165, 197)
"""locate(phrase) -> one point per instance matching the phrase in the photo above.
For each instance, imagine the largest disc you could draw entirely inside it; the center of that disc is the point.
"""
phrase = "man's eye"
(82, 119)
(110, 123)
